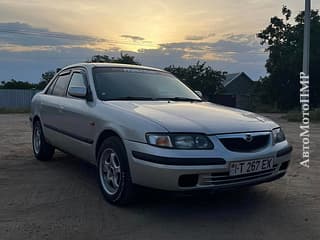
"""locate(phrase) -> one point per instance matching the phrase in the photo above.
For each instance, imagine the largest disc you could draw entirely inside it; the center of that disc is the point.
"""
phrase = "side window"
(60, 87)
(49, 91)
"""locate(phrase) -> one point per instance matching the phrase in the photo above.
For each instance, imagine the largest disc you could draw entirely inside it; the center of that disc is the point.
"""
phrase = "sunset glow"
(158, 33)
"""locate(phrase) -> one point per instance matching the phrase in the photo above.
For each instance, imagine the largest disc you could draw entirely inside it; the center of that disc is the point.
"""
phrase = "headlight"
(180, 141)
(278, 135)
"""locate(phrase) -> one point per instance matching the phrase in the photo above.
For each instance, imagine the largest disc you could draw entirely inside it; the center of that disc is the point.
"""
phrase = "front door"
(78, 119)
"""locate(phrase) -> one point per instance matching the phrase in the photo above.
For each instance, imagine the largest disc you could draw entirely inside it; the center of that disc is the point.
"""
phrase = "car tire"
(42, 150)
(114, 173)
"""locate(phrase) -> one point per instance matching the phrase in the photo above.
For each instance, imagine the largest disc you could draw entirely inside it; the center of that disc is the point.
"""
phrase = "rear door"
(52, 108)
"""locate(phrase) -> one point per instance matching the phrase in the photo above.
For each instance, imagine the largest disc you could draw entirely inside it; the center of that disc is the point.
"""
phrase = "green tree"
(14, 84)
(124, 58)
(45, 79)
(47, 76)
(284, 43)
(200, 77)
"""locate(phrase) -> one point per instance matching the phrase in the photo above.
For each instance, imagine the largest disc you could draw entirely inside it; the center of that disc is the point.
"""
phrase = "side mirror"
(199, 93)
(80, 92)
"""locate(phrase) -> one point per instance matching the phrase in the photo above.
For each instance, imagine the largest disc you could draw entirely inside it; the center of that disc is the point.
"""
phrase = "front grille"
(240, 144)
(215, 179)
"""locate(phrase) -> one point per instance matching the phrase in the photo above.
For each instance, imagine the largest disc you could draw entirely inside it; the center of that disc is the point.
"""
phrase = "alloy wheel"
(36, 138)
(110, 171)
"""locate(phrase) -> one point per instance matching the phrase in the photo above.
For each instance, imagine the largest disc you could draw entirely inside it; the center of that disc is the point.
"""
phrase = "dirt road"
(61, 200)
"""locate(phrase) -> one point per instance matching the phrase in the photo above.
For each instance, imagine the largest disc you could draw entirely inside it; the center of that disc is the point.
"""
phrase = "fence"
(16, 98)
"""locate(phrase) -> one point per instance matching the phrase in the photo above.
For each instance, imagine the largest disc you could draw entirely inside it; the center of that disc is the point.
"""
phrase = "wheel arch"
(102, 136)
(36, 118)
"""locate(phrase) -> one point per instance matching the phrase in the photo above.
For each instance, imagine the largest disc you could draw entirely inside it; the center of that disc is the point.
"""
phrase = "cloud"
(224, 50)
(26, 59)
(234, 53)
(199, 37)
(16, 33)
(132, 37)
(195, 37)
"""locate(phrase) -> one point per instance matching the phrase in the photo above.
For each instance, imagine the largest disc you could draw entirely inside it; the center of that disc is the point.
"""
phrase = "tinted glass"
(60, 88)
(122, 83)
(49, 91)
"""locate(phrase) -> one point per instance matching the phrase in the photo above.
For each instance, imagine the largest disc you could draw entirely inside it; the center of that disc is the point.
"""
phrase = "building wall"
(240, 88)
(243, 102)
(16, 98)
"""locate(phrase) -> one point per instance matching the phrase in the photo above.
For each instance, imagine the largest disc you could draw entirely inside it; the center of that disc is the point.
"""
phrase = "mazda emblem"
(248, 138)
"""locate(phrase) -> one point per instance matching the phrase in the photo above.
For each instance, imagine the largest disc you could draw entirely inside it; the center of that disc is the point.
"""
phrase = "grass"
(14, 110)
(296, 116)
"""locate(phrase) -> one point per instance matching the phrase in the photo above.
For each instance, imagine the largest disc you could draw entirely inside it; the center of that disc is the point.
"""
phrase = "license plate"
(250, 166)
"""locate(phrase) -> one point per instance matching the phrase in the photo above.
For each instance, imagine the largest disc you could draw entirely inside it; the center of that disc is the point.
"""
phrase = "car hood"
(201, 117)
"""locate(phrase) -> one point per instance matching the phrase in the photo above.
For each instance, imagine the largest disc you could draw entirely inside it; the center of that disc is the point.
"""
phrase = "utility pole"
(306, 38)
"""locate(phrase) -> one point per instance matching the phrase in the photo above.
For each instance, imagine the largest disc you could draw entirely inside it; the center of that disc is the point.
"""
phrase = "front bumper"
(179, 170)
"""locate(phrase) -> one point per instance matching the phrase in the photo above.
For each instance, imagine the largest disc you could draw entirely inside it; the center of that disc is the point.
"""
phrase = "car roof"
(115, 65)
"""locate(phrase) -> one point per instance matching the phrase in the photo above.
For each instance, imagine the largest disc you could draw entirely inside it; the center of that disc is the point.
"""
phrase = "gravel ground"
(60, 199)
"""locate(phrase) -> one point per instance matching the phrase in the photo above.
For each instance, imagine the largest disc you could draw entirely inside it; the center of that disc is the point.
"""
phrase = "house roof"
(232, 76)
(229, 78)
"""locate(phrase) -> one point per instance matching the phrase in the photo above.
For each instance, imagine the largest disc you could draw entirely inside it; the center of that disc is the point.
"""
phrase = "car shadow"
(196, 211)
(239, 199)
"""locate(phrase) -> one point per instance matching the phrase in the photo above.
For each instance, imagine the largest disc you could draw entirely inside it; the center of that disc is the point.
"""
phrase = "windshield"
(139, 84)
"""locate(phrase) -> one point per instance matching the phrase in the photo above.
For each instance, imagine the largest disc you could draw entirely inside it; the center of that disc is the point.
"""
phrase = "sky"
(41, 35)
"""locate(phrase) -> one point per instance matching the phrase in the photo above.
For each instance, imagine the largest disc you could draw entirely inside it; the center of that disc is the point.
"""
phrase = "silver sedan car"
(143, 126)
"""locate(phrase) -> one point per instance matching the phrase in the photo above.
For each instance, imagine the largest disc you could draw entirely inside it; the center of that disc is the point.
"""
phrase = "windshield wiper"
(130, 98)
(184, 99)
